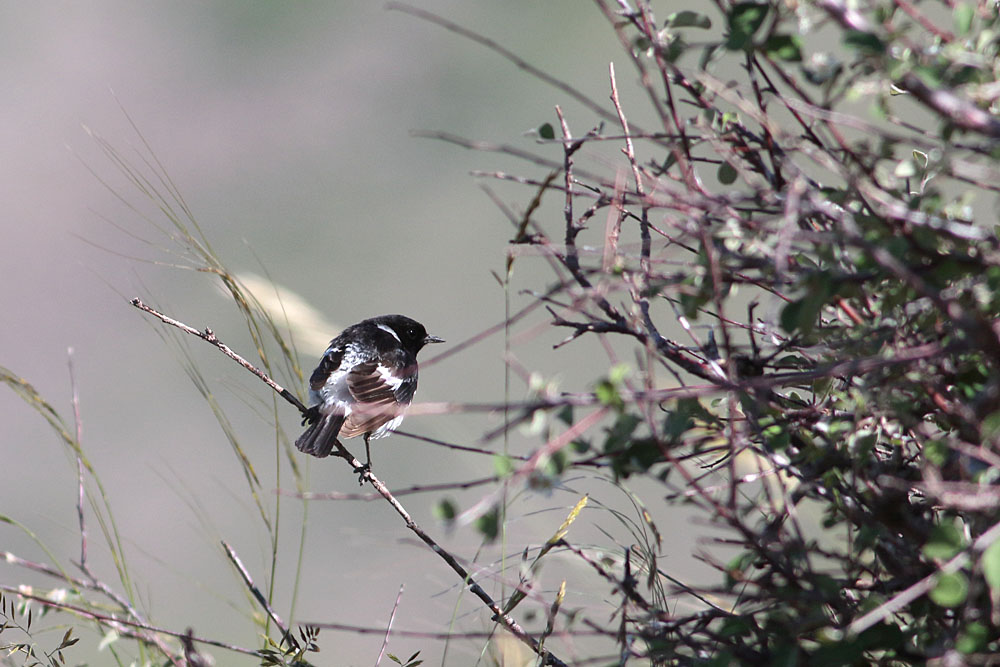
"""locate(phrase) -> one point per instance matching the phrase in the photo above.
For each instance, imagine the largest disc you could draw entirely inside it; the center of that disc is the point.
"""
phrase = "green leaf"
(735, 626)
(565, 415)
(682, 417)
(736, 569)
(621, 432)
(932, 76)
(950, 590)
(546, 131)
(446, 510)
(636, 456)
(675, 49)
(619, 373)
(503, 465)
(936, 452)
(607, 394)
(801, 315)
(784, 47)
(676, 423)
(792, 317)
(945, 541)
(744, 19)
(551, 466)
(989, 429)
(688, 19)
(710, 54)
(727, 174)
(867, 43)
(973, 639)
(990, 562)
(963, 15)
(850, 651)
(607, 390)
(488, 524)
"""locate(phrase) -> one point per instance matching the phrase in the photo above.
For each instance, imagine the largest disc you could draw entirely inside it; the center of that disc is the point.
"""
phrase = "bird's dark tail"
(320, 437)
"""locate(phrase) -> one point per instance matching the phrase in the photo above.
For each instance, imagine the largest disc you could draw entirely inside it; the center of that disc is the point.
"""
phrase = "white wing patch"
(386, 328)
(388, 377)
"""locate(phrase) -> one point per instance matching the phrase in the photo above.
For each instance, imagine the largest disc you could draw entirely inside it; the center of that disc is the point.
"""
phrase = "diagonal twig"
(508, 622)
(256, 592)
(209, 336)
(388, 627)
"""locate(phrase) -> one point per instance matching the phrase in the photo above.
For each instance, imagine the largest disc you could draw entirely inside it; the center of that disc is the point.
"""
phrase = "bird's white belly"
(388, 427)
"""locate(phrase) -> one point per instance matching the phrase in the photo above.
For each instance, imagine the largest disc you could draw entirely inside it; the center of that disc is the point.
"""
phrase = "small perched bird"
(363, 383)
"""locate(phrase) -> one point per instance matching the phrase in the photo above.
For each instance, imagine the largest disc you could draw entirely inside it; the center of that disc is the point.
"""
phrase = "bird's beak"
(432, 339)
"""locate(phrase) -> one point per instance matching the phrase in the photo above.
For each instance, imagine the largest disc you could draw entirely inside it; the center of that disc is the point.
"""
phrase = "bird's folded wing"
(327, 365)
(374, 388)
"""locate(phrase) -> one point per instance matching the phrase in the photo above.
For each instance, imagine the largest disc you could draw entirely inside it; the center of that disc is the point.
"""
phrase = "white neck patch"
(386, 328)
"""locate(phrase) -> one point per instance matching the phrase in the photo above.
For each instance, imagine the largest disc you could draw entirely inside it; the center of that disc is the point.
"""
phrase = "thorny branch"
(868, 286)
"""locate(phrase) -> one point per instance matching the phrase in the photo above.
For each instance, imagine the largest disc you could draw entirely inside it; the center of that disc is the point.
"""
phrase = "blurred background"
(286, 128)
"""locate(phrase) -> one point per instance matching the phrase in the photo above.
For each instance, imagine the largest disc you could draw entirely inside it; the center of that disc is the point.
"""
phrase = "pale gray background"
(286, 128)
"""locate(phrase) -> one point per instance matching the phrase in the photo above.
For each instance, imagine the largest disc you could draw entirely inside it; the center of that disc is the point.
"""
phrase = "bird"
(363, 383)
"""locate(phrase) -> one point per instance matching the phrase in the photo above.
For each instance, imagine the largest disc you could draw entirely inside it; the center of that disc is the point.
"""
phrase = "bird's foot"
(310, 416)
(363, 471)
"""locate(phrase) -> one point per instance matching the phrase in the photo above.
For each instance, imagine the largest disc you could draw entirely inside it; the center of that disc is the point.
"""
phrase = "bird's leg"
(310, 416)
(367, 467)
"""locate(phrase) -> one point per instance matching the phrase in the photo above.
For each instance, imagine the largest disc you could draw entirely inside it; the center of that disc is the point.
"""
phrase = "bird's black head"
(412, 334)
